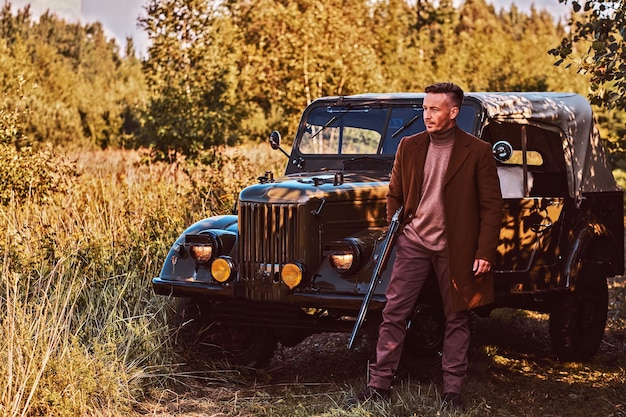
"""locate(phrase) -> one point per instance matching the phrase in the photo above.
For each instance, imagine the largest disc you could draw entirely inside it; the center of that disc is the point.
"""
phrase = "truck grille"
(269, 236)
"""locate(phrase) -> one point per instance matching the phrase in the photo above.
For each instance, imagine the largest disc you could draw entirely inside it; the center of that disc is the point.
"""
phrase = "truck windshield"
(365, 130)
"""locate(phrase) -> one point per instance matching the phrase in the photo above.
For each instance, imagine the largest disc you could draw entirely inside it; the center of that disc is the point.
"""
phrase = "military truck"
(295, 257)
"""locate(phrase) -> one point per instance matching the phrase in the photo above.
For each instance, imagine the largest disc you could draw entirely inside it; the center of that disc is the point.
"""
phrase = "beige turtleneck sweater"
(428, 227)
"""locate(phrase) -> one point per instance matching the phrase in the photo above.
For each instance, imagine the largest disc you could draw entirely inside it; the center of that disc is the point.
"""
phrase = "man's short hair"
(452, 90)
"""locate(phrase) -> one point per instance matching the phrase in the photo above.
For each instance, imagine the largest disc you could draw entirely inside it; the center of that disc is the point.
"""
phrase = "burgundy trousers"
(410, 270)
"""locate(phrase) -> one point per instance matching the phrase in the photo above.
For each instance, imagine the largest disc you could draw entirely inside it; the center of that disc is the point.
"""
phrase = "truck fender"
(225, 222)
(585, 248)
(225, 227)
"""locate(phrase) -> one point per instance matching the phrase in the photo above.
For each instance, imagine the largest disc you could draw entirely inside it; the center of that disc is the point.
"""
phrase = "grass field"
(84, 335)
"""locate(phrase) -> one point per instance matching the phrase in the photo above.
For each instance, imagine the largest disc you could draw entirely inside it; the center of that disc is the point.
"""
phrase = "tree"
(84, 88)
(297, 51)
(190, 74)
(597, 46)
(232, 70)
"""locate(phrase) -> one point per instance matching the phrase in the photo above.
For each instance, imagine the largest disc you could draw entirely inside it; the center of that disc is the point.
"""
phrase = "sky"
(119, 17)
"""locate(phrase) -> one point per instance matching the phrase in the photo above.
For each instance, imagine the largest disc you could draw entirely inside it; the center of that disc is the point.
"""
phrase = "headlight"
(222, 269)
(342, 262)
(202, 254)
(346, 256)
(291, 274)
(208, 245)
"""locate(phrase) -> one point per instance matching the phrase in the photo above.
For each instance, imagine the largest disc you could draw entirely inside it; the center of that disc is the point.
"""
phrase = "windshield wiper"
(333, 119)
(408, 124)
(328, 123)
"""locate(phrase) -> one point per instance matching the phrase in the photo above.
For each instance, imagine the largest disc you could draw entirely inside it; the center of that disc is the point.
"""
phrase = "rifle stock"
(387, 245)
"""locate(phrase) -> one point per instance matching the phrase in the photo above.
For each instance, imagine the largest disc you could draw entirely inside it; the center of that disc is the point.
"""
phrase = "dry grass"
(83, 333)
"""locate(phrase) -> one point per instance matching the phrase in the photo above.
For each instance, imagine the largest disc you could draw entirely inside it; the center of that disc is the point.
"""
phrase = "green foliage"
(193, 104)
(27, 173)
(86, 93)
(597, 46)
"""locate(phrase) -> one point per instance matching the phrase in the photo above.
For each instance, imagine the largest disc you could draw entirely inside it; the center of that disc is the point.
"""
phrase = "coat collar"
(460, 151)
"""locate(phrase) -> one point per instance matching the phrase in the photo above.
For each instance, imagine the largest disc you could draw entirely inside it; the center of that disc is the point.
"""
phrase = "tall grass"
(82, 331)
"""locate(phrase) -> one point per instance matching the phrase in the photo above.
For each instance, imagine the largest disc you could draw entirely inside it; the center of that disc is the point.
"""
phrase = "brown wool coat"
(472, 208)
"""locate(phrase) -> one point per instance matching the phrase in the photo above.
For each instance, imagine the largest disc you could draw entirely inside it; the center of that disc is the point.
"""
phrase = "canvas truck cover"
(571, 114)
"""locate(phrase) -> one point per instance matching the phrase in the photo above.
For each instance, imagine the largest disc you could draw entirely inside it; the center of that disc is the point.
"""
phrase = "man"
(446, 180)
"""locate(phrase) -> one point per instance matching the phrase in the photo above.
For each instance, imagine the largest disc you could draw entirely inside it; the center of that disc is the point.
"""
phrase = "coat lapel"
(421, 148)
(460, 152)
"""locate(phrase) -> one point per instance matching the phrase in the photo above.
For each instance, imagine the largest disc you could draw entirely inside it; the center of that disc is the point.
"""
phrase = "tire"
(578, 320)
(425, 333)
(195, 333)
(423, 345)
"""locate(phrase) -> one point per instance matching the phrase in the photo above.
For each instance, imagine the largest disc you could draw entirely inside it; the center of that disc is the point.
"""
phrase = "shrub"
(27, 173)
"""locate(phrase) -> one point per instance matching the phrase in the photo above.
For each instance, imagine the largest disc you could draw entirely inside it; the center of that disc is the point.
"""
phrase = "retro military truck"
(296, 255)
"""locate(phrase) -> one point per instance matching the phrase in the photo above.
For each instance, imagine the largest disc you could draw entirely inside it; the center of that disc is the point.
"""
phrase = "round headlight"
(202, 253)
(222, 269)
(291, 275)
(345, 256)
(342, 261)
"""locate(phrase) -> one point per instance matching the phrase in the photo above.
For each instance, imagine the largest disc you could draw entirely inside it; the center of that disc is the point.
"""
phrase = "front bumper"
(349, 303)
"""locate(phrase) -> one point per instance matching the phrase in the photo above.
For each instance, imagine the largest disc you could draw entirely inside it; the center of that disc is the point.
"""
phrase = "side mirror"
(502, 150)
(275, 140)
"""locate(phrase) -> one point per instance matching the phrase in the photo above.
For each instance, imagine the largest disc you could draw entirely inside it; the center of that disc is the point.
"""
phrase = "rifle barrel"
(387, 245)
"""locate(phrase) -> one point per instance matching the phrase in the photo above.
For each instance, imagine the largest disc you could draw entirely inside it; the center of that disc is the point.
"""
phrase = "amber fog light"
(202, 254)
(222, 269)
(291, 275)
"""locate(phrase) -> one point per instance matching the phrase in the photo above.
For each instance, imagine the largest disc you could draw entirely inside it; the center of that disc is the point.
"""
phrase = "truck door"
(527, 229)
(531, 168)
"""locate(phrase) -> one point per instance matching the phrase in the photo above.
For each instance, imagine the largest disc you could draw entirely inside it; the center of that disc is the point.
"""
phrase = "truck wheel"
(423, 344)
(195, 333)
(578, 320)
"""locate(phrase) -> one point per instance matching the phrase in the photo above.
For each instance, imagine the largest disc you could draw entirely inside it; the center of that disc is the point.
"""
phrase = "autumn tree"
(222, 72)
(597, 46)
(81, 81)
(408, 34)
(190, 72)
(296, 51)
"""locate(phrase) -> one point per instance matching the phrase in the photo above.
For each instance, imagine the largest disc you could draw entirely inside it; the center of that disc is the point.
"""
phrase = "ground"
(512, 355)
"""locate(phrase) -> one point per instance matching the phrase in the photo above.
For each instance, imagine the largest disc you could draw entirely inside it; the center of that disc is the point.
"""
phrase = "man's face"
(439, 112)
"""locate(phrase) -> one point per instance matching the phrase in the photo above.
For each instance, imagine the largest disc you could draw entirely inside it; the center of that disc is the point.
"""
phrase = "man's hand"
(480, 267)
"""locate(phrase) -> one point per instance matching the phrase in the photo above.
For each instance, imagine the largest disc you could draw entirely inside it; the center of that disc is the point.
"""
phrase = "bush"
(27, 173)
(30, 174)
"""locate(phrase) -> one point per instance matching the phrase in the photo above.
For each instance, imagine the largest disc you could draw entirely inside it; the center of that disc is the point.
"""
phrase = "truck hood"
(300, 188)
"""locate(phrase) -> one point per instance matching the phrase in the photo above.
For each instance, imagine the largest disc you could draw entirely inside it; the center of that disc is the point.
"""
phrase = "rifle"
(387, 245)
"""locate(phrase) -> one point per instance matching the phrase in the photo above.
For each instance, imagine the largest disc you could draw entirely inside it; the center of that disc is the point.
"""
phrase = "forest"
(106, 155)
(224, 73)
